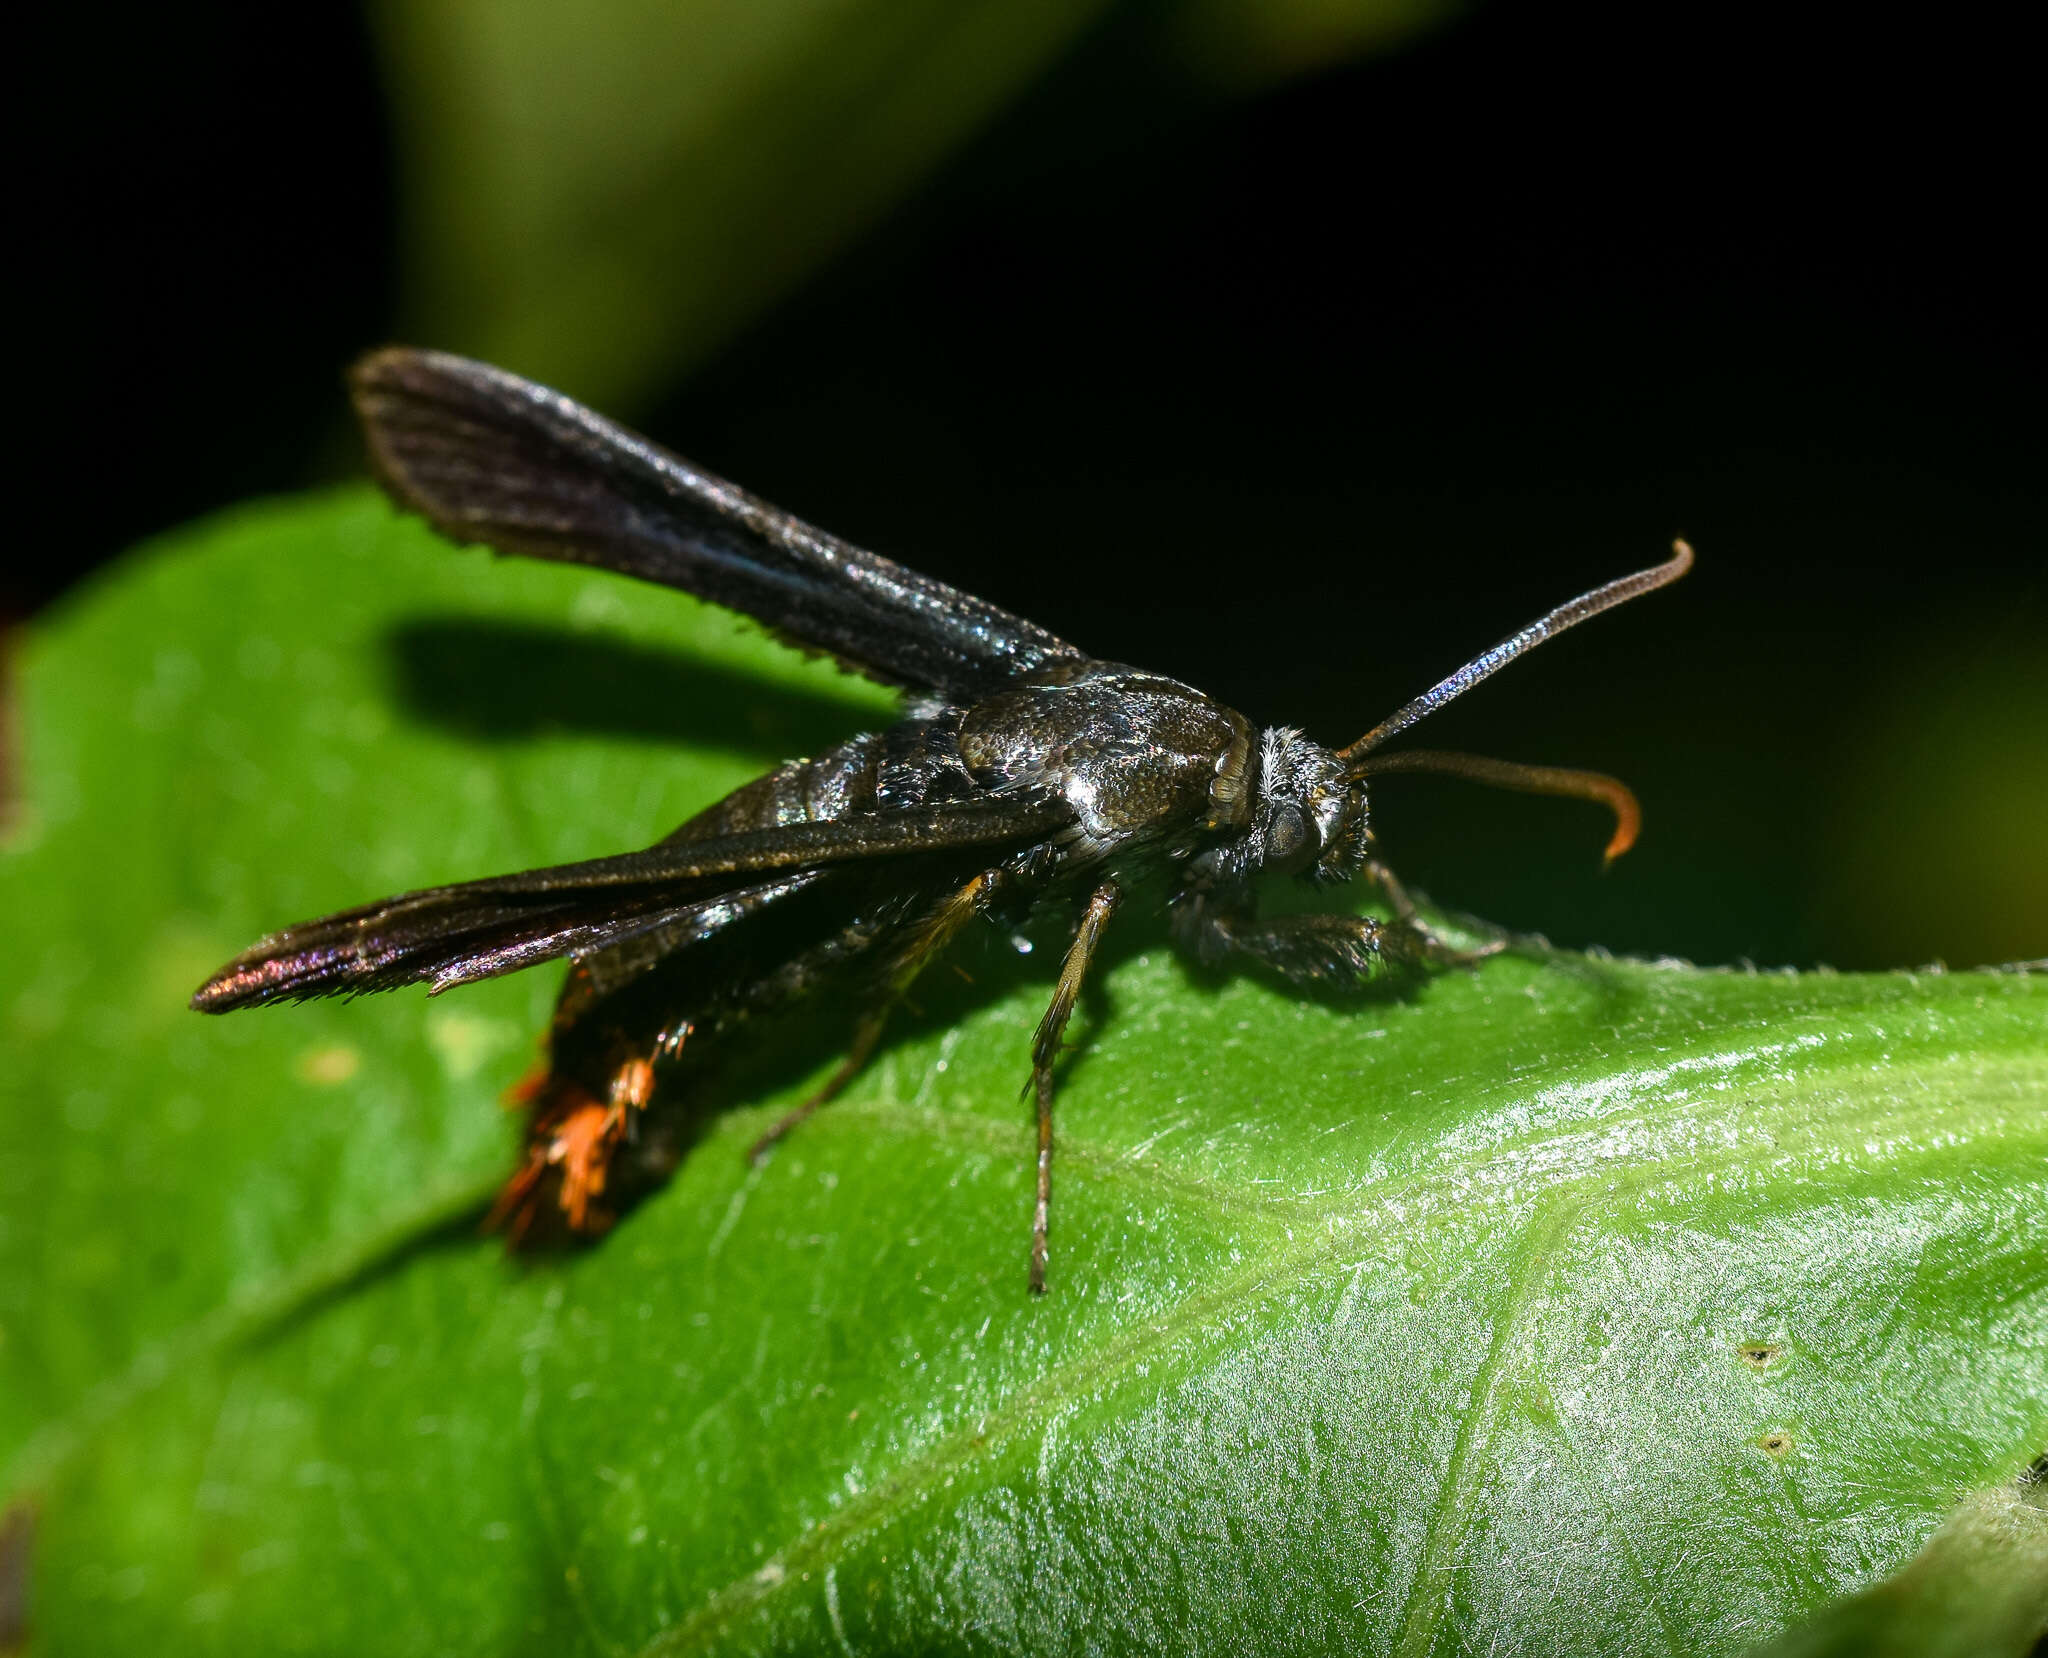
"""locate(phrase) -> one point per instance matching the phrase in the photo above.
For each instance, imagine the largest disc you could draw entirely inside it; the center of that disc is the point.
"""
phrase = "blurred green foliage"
(1941, 803)
(1245, 45)
(597, 195)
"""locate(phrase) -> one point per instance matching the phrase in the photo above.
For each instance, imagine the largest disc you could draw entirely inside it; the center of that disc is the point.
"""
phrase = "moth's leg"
(1045, 1050)
(1315, 952)
(1437, 950)
(1318, 951)
(865, 1036)
(937, 931)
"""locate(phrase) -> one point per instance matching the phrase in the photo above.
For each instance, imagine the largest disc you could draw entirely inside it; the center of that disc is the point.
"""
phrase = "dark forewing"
(478, 929)
(486, 456)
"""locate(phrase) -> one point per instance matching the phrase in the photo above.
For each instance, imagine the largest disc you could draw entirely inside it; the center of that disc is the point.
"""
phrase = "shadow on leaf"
(504, 682)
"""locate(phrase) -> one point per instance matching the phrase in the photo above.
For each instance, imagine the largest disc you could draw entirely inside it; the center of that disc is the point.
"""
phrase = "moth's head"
(1307, 817)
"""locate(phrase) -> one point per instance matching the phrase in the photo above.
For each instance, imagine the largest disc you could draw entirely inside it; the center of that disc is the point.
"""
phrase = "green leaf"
(1566, 1305)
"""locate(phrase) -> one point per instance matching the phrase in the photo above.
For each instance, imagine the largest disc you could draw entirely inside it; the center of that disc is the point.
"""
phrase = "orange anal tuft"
(633, 1085)
(513, 1209)
(581, 1145)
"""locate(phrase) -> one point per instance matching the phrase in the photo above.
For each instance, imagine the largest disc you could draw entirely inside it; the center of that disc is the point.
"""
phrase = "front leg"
(1318, 952)
(1439, 951)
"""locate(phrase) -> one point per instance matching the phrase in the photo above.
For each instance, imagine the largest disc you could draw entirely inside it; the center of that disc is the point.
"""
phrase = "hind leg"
(938, 930)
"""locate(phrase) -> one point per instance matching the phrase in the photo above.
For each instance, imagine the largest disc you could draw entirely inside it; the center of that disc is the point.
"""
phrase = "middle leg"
(1045, 1050)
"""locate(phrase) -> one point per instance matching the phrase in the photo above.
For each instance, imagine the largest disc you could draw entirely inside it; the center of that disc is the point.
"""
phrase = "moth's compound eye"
(1291, 840)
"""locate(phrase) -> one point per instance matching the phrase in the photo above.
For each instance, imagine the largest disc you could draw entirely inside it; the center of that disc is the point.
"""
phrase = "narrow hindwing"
(488, 457)
(688, 890)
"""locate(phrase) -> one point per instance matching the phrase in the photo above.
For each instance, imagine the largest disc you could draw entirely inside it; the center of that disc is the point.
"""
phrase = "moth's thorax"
(1134, 753)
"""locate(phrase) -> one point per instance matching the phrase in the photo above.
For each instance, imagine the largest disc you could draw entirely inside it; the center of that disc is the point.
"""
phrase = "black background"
(1304, 398)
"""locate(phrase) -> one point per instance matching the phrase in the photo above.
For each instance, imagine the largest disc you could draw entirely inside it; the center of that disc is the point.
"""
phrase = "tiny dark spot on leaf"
(1759, 1355)
(1778, 1442)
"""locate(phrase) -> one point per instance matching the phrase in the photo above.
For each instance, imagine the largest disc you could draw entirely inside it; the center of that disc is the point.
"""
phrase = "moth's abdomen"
(836, 784)
(640, 1024)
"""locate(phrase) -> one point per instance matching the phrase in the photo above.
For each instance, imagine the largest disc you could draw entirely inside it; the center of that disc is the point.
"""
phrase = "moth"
(1023, 773)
